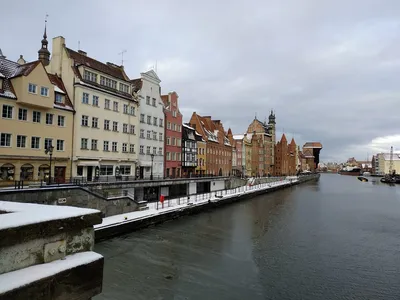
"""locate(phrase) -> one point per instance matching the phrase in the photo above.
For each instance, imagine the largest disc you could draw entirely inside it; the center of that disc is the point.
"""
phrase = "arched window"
(26, 172)
(43, 172)
(7, 172)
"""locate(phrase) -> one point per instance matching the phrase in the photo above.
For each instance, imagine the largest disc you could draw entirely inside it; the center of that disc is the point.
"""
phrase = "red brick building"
(219, 148)
(173, 136)
(285, 157)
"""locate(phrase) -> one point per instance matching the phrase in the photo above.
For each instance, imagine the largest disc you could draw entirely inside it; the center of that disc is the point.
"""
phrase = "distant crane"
(391, 161)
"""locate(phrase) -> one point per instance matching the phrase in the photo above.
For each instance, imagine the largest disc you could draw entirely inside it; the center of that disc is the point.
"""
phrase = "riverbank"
(175, 208)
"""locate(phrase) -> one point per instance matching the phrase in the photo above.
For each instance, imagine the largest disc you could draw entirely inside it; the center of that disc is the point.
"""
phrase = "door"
(59, 174)
(89, 173)
(141, 173)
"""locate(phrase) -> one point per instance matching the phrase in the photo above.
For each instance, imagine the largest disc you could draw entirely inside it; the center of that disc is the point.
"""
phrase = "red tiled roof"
(57, 81)
(112, 70)
(312, 145)
(25, 69)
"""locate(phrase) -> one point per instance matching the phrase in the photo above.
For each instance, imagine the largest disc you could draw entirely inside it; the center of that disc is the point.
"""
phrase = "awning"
(88, 163)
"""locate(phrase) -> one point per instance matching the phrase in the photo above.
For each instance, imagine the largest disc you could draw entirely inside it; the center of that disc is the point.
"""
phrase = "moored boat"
(352, 171)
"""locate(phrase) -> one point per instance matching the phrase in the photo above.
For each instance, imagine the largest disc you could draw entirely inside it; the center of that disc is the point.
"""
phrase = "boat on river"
(351, 171)
(362, 179)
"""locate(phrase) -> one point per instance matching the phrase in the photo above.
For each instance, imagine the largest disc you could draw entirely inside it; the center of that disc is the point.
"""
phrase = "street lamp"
(49, 150)
(152, 159)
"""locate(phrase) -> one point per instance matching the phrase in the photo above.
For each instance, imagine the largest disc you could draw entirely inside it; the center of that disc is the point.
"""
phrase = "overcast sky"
(330, 69)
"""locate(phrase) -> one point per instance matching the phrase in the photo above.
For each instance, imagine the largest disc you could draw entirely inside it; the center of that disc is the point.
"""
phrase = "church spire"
(44, 53)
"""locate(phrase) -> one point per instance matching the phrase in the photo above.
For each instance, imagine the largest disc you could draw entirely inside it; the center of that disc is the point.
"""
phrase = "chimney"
(57, 54)
(82, 52)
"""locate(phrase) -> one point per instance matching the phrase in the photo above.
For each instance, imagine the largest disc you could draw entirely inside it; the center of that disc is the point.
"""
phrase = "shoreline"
(174, 208)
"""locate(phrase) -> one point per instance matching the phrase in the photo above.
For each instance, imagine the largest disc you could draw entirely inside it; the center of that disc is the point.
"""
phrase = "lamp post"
(152, 159)
(49, 150)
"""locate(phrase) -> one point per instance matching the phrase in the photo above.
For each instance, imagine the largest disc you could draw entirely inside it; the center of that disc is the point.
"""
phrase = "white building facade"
(151, 126)
(106, 119)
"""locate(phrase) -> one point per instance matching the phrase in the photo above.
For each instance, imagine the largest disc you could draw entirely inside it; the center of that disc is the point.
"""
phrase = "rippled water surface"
(333, 239)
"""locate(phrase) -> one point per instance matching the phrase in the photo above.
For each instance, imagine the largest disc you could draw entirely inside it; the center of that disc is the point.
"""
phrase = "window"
(5, 140)
(154, 135)
(61, 121)
(84, 143)
(115, 106)
(44, 91)
(132, 148)
(154, 101)
(142, 133)
(148, 150)
(90, 76)
(173, 156)
(125, 170)
(178, 142)
(36, 116)
(160, 136)
(141, 118)
(32, 88)
(107, 104)
(173, 141)
(85, 98)
(115, 126)
(94, 145)
(168, 125)
(60, 145)
(35, 142)
(168, 156)
(124, 88)
(132, 129)
(148, 100)
(160, 151)
(105, 145)
(149, 120)
(106, 170)
(85, 120)
(133, 112)
(125, 128)
(148, 134)
(22, 114)
(59, 98)
(168, 141)
(114, 146)
(49, 119)
(124, 147)
(125, 108)
(95, 100)
(161, 123)
(174, 127)
(108, 82)
(21, 141)
(141, 149)
(154, 150)
(178, 128)
(48, 143)
(95, 122)
(7, 111)
(106, 125)
(174, 113)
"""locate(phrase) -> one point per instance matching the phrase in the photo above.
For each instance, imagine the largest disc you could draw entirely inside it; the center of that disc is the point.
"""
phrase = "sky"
(329, 69)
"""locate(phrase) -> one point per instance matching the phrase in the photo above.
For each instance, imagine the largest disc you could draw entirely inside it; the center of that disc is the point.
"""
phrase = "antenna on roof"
(156, 66)
(122, 56)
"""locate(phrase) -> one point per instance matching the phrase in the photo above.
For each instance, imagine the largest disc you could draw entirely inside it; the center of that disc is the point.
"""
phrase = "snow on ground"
(185, 203)
(16, 279)
(20, 214)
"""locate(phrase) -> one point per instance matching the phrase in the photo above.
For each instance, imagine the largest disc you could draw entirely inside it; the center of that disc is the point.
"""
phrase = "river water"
(337, 238)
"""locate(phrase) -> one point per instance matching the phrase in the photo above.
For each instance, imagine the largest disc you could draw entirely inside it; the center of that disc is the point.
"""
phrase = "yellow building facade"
(36, 113)
(201, 168)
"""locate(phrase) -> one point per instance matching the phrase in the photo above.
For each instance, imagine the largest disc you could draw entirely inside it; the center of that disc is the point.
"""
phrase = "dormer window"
(59, 98)
(90, 76)
(1, 83)
(124, 88)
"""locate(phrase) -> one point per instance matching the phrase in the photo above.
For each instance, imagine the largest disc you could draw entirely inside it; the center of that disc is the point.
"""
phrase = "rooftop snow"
(58, 90)
(2, 75)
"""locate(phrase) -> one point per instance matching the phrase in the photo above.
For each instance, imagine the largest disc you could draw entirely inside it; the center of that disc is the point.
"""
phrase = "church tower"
(272, 128)
(44, 53)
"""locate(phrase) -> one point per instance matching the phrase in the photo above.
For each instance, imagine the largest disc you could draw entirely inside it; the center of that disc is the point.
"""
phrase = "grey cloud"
(330, 69)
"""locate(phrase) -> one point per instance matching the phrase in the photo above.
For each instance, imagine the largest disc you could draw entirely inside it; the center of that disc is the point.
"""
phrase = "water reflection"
(335, 239)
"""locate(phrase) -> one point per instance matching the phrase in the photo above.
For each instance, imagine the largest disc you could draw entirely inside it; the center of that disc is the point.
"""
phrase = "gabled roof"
(57, 82)
(152, 74)
(312, 145)
(108, 69)
(25, 69)
(7, 69)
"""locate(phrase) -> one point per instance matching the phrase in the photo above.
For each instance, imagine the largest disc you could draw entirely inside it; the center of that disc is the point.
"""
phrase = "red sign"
(162, 198)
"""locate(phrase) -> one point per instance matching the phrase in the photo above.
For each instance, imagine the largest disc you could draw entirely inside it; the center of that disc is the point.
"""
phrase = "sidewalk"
(187, 202)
